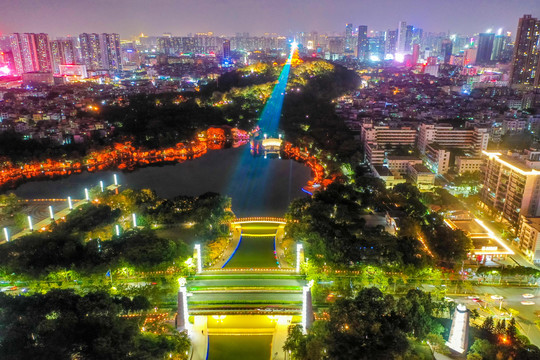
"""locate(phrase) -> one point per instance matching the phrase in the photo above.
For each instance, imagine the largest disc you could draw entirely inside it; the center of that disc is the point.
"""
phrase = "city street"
(512, 298)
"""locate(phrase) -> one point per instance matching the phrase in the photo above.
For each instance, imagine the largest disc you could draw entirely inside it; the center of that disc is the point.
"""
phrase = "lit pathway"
(229, 250)
(57, 216)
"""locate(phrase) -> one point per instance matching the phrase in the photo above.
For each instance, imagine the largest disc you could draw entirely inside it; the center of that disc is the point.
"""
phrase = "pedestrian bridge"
(247, 220)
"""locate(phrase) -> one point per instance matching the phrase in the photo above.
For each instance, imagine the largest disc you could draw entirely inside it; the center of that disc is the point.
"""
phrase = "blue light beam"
(271, 114)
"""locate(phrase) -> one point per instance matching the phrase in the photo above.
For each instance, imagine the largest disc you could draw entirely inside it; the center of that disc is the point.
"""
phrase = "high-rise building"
(101, 51)
(226, 49)
(376, 46)
(31, 52)
(349, 48)
(499, 45)
(526, 59)
(90, 51)
(62, 53)
(485, 48)
(415, 54)
(408, 38)
(391, 42)
(446, 50)
(512, 184)
(363, 44)
(110, 50)
(401, 37)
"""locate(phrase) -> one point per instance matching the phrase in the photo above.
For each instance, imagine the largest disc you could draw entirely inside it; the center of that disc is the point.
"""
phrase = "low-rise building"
(468, 164)
(390, 178)
(400, 163)
(421, 176)
(529, 234)
(437, 158)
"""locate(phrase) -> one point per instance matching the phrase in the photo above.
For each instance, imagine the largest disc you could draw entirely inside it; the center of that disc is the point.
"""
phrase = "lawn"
(254, 252)
(236, 347)
(256, 249)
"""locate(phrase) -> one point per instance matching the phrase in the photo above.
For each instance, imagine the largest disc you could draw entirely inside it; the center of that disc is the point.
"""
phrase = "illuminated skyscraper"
(226, 49)
(110, 51)
(446, 50)
(408, 38)
(90, 51)
(526, 60)
(100, 51)
(485, 48)
(363, 44)
(62, 53)
(401, 37)
(31, 52)
(390, 42)
(349, 48)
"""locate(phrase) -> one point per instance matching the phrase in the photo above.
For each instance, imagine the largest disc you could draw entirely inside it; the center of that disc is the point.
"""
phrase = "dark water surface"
(258, 186)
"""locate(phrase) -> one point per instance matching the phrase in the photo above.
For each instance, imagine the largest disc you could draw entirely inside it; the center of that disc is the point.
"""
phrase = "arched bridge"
(247, 220)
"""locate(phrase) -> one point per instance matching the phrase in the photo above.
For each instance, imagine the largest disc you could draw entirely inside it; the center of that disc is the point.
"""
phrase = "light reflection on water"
(258, 186)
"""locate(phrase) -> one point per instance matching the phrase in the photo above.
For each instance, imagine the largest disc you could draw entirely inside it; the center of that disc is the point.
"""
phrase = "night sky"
(226, 17)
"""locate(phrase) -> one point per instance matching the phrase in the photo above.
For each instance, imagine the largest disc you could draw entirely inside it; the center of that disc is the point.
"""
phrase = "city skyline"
(283, 17)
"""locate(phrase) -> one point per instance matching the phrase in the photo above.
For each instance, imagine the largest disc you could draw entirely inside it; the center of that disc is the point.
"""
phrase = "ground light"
(86, 195)
(199, 260)
(6, 234)
(70, 204)
(117, 229)
(299, 248)
(101, 185)
(182, 305)
(307, 307)
(459, 331)
(134, 219)
(51, 213)
(115, 178)
(30, 225)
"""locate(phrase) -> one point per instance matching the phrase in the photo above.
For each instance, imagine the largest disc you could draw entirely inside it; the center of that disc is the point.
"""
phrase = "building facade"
(526, 59)
(512, 184)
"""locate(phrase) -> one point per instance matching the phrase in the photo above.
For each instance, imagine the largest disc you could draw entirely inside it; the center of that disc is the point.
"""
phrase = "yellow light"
(515, 168)
(492, 236)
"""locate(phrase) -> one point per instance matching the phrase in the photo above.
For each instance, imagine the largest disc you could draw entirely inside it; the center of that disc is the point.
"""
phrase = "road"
(512, 300)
